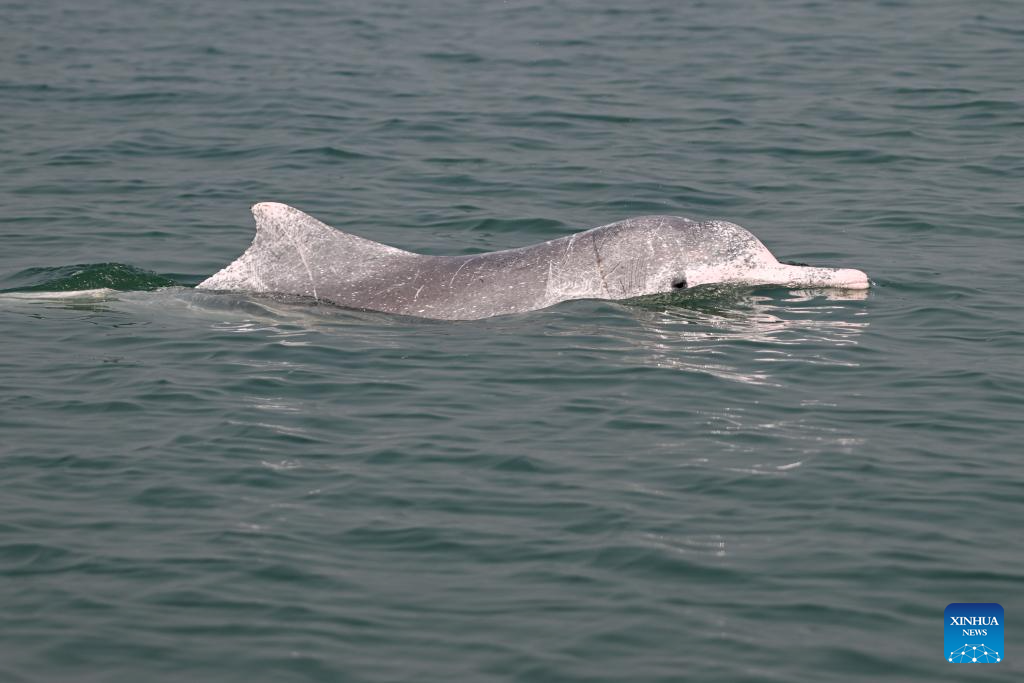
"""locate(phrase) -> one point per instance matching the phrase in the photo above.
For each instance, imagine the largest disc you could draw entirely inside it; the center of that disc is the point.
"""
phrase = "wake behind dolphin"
(295, 254)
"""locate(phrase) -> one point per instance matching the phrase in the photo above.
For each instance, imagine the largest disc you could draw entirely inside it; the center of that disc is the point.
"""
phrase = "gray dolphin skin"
(295, 254)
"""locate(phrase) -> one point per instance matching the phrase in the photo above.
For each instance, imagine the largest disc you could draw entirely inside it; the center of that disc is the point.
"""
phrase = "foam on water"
(103, 293)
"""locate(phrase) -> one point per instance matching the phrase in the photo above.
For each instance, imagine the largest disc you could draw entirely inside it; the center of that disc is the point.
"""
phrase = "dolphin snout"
(809, 276)
(849, 278)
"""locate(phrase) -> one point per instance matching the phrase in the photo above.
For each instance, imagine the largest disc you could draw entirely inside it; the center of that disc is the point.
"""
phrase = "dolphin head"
(719, 252)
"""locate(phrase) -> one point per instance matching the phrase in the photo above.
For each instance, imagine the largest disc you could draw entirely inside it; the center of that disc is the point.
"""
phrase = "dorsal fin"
(282, 223)
(293, 252)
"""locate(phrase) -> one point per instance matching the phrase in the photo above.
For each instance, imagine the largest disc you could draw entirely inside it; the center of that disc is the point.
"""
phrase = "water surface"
(757, 485)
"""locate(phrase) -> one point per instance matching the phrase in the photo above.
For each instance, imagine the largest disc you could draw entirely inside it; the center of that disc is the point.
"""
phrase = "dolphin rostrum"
(295, 254)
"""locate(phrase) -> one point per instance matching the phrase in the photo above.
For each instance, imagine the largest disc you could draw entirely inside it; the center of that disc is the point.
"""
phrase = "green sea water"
(764, 485)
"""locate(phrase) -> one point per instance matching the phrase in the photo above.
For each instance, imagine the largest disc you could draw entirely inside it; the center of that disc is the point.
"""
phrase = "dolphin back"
(294, 253)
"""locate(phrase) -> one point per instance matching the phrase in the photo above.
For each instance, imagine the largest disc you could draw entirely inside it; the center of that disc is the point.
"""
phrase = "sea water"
(747, 485)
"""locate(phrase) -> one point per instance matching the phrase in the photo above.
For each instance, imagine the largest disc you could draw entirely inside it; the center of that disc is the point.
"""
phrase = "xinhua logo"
(974, 633)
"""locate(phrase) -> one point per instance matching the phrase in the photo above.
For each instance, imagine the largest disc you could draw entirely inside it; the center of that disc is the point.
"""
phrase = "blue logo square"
(974, 633)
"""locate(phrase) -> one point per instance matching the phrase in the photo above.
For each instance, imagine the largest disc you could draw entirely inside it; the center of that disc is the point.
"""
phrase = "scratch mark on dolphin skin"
(568, 248)
(417, 294)
(255, 276)
(459, 270)
(309, 271)
(391, 288)
(600, 266)
(622, 289)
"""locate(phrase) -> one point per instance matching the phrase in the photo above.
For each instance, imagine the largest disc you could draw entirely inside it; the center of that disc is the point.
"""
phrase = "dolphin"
(295, 254)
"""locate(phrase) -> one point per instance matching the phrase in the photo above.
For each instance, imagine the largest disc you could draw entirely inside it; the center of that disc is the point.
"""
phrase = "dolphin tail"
(294, 253)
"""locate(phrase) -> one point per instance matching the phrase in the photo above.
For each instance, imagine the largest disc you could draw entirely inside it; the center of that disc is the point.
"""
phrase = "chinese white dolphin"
(295, 254)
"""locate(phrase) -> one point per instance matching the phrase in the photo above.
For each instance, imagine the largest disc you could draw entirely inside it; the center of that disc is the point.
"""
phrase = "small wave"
(89, 280)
